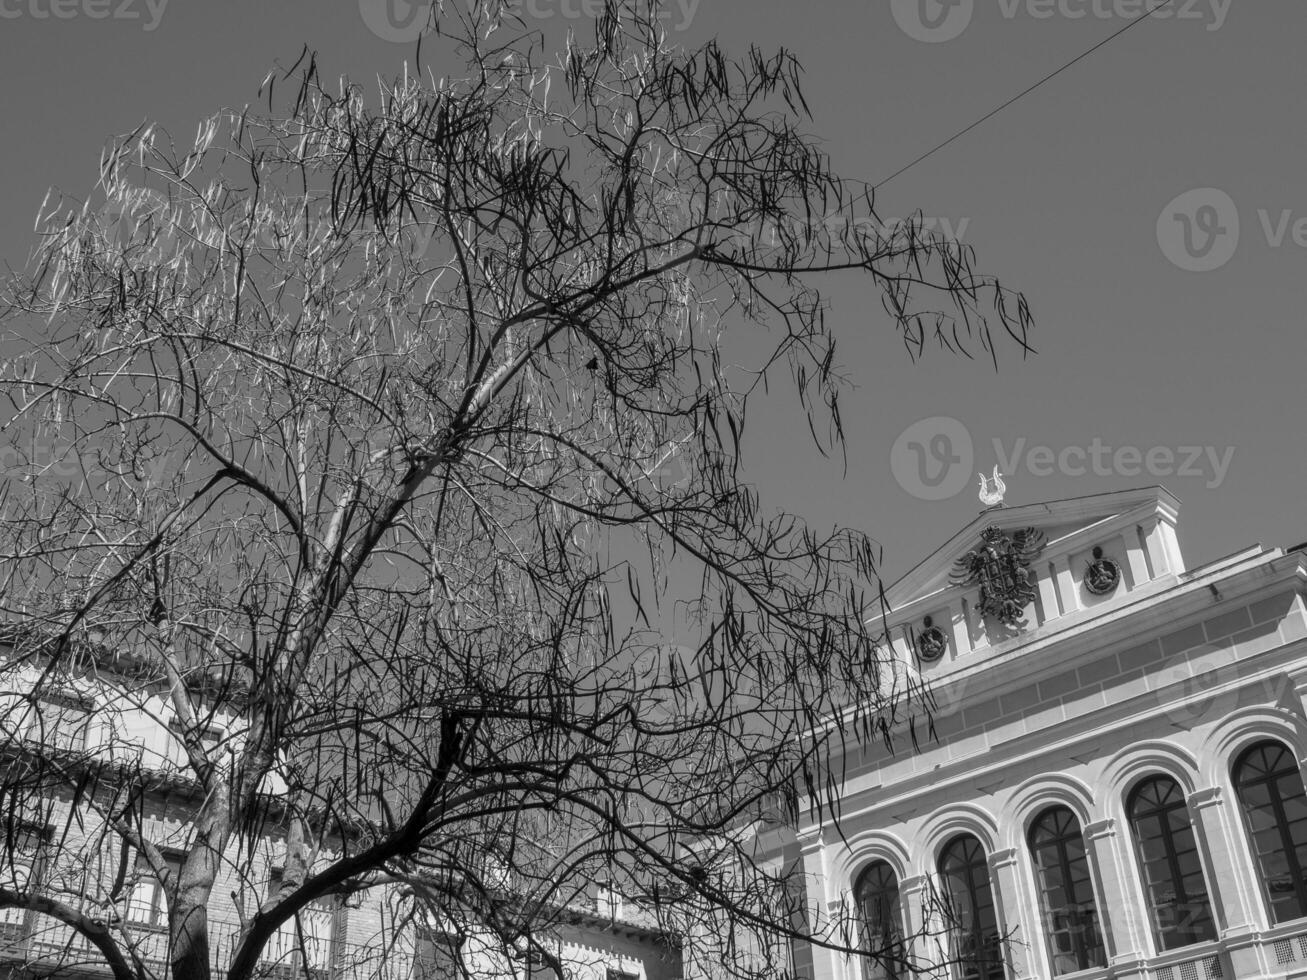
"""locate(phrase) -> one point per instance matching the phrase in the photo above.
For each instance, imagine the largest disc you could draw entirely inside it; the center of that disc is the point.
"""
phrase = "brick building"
(1113, 785)
(55, 844)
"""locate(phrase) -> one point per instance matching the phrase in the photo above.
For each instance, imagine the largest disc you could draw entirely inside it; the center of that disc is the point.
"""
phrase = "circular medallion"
(1103, 574)
(931, 644)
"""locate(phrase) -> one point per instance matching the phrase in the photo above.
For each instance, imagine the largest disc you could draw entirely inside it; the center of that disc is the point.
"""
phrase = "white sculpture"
(992, 491)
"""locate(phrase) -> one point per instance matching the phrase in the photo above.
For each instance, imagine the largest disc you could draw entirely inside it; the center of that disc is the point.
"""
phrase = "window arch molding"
(1134, 765)
(1239, 731)
(947, 823)
(865, 849)
(1030, 801)
(1036, 795)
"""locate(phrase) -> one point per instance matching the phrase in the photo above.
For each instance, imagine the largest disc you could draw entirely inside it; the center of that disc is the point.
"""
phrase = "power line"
(1020, 95)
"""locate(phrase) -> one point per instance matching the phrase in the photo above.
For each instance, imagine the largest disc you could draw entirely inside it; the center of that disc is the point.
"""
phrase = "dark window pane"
(877, 894)
(1066, 892)
(1270, 790)
(1169, 864)
(965, 870)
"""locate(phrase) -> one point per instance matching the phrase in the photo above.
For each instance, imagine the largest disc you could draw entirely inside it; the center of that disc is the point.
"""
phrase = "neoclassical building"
(1110, 783)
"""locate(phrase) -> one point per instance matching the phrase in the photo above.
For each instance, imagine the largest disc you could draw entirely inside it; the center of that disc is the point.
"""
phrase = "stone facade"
(1176, 676)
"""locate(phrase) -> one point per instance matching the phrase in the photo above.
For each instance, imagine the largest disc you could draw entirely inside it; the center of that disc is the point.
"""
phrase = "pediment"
(1067, 526)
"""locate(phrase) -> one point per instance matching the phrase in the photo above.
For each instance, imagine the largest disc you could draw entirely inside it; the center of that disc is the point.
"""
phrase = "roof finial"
(992, 491)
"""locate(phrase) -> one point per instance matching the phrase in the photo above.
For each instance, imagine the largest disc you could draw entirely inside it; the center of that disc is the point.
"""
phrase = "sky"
(1149, 201)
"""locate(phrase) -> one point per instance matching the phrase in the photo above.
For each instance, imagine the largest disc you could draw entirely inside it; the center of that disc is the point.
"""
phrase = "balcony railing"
(45, 945)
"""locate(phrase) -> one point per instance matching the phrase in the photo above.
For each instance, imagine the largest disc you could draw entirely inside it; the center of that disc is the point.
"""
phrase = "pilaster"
(961, 631)
(1005, 879)
(1134, 555)
(1158, 555)
(1048, 597)
(1066, 583)
(927, 942)
(1233, 892)
(825, 962)
(1119, 914)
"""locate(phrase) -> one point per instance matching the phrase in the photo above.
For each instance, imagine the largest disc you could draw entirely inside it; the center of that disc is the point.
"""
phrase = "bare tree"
(373, 433)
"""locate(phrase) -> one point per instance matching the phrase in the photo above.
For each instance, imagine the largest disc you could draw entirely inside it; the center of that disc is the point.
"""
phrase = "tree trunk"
(189, 920)
(190, 944)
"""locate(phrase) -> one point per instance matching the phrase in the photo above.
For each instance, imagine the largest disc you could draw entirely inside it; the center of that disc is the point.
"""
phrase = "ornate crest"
(999, 566)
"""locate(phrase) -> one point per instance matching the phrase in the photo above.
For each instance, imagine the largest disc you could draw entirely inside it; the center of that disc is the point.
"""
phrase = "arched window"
(1168, 862)
(880, 917)
(1270, 789)
(1066, 892)
(965, 871)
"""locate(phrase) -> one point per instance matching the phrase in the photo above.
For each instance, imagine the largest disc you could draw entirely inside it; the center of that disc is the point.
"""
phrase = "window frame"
(891, 931)
(1171, 852)
(1297, 868)
(974, 966)
(1081, 950)
(157, 916)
